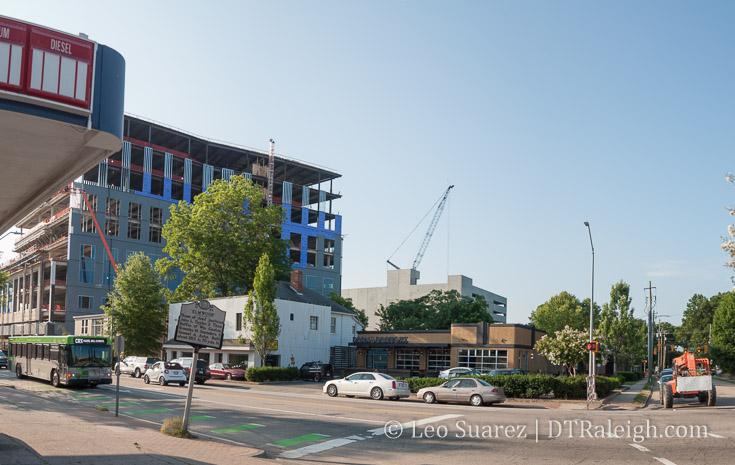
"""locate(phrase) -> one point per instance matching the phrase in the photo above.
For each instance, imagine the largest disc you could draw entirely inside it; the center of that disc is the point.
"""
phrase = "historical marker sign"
(200, 324)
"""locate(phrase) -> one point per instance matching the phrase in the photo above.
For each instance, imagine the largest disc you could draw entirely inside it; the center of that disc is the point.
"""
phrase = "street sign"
(200, 324)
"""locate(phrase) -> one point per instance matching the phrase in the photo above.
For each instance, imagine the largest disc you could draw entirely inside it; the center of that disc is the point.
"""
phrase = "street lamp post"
(591, 394)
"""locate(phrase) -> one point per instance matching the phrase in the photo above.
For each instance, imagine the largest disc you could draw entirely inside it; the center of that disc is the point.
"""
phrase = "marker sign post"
(200, 324)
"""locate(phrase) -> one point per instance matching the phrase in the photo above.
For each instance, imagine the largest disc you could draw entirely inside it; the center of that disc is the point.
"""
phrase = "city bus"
(62, 360)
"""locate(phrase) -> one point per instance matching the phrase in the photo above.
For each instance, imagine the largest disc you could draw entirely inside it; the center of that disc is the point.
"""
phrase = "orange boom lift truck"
(692, 378)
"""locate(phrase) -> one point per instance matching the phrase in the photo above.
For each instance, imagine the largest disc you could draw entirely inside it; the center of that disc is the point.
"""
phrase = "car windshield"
(484, 383)
(667, 378)
(388, 377)
(89, 356)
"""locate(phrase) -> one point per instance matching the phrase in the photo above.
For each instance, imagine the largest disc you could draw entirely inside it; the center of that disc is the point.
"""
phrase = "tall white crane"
(430, 232)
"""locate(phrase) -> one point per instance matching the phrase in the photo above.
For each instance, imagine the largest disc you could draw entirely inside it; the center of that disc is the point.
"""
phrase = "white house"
(311, 325)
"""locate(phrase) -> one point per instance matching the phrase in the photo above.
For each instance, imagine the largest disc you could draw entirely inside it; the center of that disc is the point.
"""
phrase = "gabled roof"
(286, 292)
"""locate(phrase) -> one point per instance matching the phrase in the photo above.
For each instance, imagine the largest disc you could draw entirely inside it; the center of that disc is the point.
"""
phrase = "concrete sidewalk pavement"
(36, 430)
(625, 399)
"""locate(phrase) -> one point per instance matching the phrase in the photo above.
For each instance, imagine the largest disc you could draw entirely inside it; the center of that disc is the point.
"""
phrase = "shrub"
(272, 374)
(414, 384)
(630, 375)
(174, 427)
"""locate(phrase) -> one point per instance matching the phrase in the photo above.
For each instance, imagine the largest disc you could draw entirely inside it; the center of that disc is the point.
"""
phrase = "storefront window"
(408, 359)
(377, 359)
(439, 359)
(483, 359)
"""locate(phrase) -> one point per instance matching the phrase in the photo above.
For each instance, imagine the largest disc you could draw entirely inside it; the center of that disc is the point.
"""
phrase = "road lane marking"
(640, 448)
(201, 417)
(664, 461)
(715, 435)
(235, 429)
(327, 445)
(94, 398)
(112, 404)
(155, 410)
(299, 440)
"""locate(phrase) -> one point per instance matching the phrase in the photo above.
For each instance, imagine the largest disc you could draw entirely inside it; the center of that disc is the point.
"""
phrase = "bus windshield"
(89, 356)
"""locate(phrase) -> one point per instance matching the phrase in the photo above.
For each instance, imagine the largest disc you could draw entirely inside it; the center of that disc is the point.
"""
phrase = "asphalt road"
(296, 423)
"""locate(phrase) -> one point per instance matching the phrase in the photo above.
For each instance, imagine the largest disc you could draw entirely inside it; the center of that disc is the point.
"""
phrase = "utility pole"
(650, 289)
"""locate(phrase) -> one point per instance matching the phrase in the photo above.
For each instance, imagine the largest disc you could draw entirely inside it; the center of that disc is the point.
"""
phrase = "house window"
(353, 330)
(87, 221)
(314, 322)
(333, 327)
(482, 359)
(291, 317)
(154, 232)
(134, 217)
(97, 327)
(328, 261)
(86, 264)
(238, 321)
(438, 360)
(408, 359)
(85, 302)
(112, 217)
(85, 326)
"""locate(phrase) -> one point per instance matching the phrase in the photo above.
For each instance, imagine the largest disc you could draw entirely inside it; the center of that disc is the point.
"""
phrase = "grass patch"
(175, 427)
(102, 409)
(642, 396)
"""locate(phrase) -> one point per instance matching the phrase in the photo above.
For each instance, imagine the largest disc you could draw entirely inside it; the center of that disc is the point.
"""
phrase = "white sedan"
(375, 385)
(164, 373)
(459, 371)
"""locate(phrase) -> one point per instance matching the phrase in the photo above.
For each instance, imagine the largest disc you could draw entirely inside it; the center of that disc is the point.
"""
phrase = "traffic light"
(699, 350)
(655, 351)
(592, 346)
(672, 347)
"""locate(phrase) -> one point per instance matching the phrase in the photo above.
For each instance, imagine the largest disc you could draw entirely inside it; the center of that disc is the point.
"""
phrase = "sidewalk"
(35, 430)
(624, 400)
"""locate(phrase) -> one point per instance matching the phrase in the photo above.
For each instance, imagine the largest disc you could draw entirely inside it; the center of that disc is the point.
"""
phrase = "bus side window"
(54, 353)
(11, 349)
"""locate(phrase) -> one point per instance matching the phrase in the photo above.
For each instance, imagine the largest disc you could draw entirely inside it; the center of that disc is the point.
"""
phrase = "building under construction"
(61, 269)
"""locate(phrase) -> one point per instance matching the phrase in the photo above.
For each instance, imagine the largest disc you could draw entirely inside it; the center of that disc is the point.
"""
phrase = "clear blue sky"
(542, 114)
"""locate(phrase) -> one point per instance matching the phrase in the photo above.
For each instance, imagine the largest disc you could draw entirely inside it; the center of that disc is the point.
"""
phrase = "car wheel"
(228, 376)
(199, 381)
(712, 397)
(429, 398)
(476, 400)
(136, 374)
(19, 371)
(317, 377)
(376, 393)
(181, 383)
(668, 396)
(55, 380)
(162, 381)
(146, 379)
(332, 390)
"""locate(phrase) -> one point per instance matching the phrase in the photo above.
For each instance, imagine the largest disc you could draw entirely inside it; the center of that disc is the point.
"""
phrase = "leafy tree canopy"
(566, 348)
(347, 303)
(618, 325)
(436, 310)
(218, 240)
(137, 307)
(723, 332)
(698, 316)
(563, 310)
(261, 314)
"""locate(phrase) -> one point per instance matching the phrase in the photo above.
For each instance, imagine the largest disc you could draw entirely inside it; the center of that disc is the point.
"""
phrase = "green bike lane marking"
(201, 418)
(94, 398)
(235, 429)
(299, 440)
(112, 404)
(155, 410)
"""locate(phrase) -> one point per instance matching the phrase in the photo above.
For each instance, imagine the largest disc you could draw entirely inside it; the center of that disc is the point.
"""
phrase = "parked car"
(471, 390)
(665, 378)
(225, 371)
(203, 373)
(375, 385)
(316, 371)
(164, 373)
(136, 366)
(459, 371)
(667, 371)
(3, 360)
(506, 371)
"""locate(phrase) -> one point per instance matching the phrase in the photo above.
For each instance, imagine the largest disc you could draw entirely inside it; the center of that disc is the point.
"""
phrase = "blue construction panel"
(338, 224)
(320, 221)
(287, 209)
(304, 245)
(167, 188)
(187, 192)
(147, 183)
(305, 216)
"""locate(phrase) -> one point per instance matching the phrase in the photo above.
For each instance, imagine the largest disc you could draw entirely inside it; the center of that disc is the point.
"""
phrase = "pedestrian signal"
(591, 346)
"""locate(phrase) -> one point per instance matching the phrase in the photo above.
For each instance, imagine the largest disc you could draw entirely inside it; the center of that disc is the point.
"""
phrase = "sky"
(543, 115)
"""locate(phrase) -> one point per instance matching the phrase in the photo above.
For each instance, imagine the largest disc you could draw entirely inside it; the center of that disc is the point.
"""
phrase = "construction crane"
(430, 232)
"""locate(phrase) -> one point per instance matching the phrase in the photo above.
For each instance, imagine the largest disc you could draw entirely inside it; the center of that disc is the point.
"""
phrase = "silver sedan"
(471, 390)
(375, 385)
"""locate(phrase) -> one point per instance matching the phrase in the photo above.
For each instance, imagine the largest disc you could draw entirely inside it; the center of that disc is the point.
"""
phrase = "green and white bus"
(67, 360)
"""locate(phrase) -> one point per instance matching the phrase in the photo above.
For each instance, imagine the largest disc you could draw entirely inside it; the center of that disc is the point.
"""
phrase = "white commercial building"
(402, 285)
(311, 325)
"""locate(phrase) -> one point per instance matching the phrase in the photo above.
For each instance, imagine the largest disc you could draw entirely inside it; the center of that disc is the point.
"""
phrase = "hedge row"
(272, 374)
(534, 386)
(630, 375)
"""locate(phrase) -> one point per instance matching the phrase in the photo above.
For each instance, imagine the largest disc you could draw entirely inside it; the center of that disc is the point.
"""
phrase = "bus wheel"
(19, 371)
(55, 380)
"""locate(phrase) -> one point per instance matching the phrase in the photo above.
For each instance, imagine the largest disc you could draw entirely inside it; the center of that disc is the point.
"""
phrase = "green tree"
(218, 240)
(695, 326)
(565, 348)
(560, 311)
(436, 310)
(137, 307)
(261, 315)
(347, 303)
(617, 324)
(723, 333)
